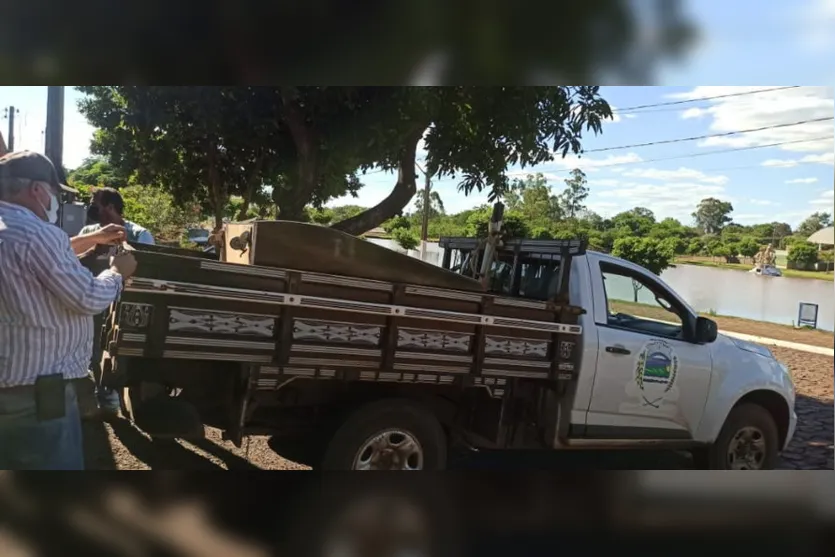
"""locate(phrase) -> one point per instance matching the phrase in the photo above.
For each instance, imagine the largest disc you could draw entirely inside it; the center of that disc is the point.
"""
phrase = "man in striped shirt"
(47, 303)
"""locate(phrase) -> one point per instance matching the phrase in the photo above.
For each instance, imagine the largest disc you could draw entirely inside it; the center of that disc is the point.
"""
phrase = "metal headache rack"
(522, 267)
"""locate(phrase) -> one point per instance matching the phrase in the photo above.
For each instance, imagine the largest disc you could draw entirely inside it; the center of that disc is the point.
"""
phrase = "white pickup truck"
(674, 383)
(357, 357)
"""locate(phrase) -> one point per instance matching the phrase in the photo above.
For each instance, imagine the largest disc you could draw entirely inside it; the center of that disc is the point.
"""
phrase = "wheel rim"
(747, 449)
(392, 449)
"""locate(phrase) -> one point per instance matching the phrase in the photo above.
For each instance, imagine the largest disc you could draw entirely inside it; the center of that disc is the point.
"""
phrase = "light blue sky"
(744, 43)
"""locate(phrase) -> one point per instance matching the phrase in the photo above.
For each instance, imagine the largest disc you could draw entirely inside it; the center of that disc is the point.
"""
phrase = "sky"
(742, 43)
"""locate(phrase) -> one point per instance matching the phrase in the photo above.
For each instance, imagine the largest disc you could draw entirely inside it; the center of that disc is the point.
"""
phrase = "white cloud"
(590, 164)
(681, 173)
(677, 200)
(618, 116)
(827, 197)
(822, 158)
(764, 109)
(802, 181)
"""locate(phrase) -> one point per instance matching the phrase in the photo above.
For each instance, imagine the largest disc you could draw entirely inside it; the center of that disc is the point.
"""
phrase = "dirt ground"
(120, 446)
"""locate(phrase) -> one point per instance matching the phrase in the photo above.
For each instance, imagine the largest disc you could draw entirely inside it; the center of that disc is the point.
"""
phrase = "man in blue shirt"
(106, 208)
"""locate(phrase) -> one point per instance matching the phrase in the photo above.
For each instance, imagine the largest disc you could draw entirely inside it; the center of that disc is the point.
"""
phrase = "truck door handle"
(617, 350)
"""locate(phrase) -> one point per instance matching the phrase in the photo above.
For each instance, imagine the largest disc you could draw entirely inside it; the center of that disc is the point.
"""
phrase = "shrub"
(405, 238)
(802, 255)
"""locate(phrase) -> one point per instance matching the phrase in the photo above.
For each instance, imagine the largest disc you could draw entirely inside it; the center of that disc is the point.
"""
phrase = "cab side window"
(636, 303)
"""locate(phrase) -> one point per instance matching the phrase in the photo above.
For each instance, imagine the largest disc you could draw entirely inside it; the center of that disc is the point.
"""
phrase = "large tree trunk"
(216, 186)
(403, 192)
(307, 152)
(253, 181)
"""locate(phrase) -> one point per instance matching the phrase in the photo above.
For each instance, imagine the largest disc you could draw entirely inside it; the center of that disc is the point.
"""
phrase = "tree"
(748, 247)
(576, 191)
(436, 204)
(532, 198)
(638, 221)
(712, 215)
(649, 253)
(311, 144)
(477, 225)
(97, 171)
(695, 247)
(813, 223)
(156, 210)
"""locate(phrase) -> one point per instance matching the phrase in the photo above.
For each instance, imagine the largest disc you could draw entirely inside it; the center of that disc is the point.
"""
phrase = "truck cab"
(645, 381)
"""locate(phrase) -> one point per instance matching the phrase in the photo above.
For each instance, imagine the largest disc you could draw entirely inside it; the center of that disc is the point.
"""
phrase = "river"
(723, 291)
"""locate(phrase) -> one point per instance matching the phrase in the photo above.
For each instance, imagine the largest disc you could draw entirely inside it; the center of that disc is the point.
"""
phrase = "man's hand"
(112, 234)
(124, 264)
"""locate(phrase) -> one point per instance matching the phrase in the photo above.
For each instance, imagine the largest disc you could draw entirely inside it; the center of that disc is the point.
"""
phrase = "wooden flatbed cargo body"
(258, 345)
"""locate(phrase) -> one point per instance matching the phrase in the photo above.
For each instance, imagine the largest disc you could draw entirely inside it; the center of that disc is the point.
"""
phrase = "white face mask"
(51, 212)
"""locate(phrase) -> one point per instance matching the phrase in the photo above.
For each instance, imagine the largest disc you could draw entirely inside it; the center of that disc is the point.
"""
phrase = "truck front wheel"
(747, 441)
(391, 434)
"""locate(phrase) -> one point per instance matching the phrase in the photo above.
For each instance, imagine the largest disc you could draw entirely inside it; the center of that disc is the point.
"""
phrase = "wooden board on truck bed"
(298, 323)
(297, 245)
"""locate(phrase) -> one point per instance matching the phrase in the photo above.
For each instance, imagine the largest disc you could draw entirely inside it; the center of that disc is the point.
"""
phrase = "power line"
(695, 138)
(705, 153)
(639, 107)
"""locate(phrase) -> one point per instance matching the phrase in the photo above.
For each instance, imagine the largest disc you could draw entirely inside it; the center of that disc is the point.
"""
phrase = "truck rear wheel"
(748, 441)
(391, 434)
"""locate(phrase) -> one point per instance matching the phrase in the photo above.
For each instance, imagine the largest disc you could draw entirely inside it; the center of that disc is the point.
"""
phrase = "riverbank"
(792, 273)
(776, 331)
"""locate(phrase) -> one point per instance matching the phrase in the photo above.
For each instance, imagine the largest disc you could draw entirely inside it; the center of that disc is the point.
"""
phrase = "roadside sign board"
(807, 315)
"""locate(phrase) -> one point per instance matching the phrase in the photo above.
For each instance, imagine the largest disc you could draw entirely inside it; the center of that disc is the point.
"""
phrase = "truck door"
(651, 381)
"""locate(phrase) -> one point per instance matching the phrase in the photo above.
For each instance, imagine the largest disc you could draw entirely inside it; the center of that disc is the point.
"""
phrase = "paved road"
(121, 446)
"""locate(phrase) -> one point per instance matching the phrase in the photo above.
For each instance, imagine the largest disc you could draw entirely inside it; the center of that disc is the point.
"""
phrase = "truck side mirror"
(706, 330)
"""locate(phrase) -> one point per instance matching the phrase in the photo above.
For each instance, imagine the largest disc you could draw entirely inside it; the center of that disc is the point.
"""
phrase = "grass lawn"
(793, 273)
(735, 324)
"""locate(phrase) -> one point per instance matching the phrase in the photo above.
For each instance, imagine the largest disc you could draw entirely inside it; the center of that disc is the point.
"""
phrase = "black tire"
(376, 417)
(745, 415)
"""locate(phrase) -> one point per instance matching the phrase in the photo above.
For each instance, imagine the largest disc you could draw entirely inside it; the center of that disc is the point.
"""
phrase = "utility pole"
(424, 227)
(10, 112)
(54, 136)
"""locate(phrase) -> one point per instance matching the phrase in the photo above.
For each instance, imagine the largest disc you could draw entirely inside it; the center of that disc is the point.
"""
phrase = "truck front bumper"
(792, 427)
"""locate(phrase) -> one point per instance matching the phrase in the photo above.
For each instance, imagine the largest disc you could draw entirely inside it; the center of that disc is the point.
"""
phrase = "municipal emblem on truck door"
(655, 372)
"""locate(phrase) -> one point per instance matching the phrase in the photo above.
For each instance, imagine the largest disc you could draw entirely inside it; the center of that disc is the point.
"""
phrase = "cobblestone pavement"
(121, 446)
(812, 446)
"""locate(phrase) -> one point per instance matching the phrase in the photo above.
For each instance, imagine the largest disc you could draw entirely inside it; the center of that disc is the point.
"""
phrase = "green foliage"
(576, 191)
(649, 253)
(813, 223)
(695, 247)
(395, 223)
(405, 238)
(677, 245)
(637, 222)
(712, 215)
(97, 171)
(748, 247)
(802, 254)
(155, 209)
(477, 225)
(311, 144)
